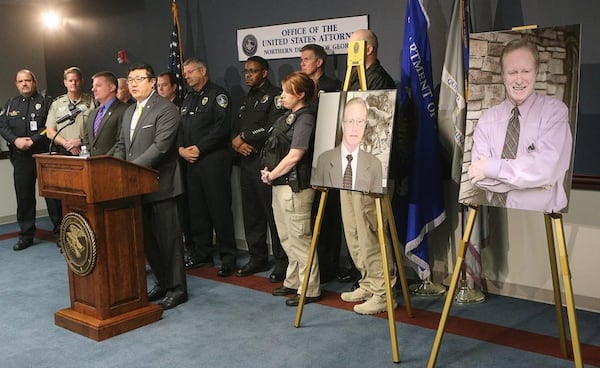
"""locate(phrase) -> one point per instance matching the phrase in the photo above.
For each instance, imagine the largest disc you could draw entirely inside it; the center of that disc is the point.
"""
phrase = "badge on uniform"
(38, 106)
(33, 125)
(222, 100)
(204, 100)
(13, 113)
(290, 119)
(264, 99)
(184, 110)
(278, 104)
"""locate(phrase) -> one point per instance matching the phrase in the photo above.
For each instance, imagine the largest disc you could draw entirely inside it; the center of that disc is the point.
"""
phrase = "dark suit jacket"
(329, 171)
(153, 145)
(108, 133)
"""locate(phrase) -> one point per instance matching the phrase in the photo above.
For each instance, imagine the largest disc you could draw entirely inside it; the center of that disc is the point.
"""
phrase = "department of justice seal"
(78, 244)
(249, 45)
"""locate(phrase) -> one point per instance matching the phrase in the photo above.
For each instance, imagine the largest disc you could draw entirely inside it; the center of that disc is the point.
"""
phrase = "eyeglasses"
(359, 123)
(136, 80)
(252, 71)
(188, 72)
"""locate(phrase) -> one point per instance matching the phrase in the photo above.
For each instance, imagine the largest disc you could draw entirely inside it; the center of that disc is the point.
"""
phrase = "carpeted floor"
(235, 322)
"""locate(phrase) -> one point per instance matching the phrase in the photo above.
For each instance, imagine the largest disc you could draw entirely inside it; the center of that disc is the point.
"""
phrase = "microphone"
(70, 116)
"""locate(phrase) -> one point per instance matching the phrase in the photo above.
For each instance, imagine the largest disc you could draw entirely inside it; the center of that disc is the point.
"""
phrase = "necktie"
(347, 183)
(509, 151)
(136, 117)
(98, 119)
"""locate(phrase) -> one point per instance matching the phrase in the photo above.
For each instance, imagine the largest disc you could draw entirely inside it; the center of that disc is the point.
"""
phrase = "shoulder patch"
(222, 100)
(277, 100)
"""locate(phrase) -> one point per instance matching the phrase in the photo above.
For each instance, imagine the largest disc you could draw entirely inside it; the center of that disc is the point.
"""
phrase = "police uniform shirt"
(26, 117)
(61, 107)
(327, 84)
(205, 119)
(260, 109)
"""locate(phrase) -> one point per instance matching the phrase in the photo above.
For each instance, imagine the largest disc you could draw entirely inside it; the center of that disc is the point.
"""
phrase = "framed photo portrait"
(521, 118)
(353, 140)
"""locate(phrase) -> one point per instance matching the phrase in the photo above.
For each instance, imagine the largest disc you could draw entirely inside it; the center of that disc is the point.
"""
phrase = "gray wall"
(96, 30)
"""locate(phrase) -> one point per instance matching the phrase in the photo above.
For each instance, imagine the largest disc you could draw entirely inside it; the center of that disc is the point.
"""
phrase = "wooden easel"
(549, 219)
(356, 57)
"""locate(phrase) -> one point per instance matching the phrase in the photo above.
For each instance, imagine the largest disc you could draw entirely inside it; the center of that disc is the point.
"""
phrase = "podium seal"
(78, 243)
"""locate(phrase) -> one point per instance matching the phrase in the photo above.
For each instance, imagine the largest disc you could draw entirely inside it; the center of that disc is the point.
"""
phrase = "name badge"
(33, 125)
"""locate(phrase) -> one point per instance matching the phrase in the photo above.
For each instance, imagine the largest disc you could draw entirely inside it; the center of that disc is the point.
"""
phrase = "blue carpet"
(225, 325)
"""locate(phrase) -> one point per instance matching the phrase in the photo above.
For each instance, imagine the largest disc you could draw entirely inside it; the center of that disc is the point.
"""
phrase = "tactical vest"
(278, 146)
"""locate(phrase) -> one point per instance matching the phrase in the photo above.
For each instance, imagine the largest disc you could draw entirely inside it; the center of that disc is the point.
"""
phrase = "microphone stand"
(71, 121)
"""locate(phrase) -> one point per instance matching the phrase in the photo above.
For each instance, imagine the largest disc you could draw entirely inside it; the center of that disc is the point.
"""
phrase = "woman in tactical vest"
(287, 157)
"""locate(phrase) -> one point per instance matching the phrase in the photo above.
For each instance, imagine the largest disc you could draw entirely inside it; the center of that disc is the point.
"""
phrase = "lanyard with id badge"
(33, 125)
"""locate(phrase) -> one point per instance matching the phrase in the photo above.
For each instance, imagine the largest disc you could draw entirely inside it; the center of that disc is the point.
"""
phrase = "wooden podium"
(106, 193)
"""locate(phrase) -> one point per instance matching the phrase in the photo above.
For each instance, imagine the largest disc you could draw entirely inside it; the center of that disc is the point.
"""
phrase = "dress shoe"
(191, 262)
(156, 293)
(172, 301)
(283, 291)
(348, 275)
(293, 302)
(226, 270)
(275, 277)
(22, 244)
(250, 269)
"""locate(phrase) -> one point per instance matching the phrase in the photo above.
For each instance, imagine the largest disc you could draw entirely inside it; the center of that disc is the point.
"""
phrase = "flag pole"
(175, 51)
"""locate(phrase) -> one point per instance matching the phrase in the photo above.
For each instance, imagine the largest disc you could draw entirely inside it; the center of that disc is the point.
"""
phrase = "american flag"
(175, 55)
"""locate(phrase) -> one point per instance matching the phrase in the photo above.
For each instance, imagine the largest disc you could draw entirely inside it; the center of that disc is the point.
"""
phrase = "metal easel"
(356, 57)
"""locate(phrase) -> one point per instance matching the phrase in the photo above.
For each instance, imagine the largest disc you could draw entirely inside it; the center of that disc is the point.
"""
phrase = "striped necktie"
(509, 151)
(98, 119)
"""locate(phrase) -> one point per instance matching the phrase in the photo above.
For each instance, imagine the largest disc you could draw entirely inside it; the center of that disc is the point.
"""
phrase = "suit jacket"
(104, 142)
(329, 171)
(153, 145)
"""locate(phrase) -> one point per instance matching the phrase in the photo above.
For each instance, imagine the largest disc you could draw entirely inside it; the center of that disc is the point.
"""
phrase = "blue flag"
(425, 203)
(175, 55)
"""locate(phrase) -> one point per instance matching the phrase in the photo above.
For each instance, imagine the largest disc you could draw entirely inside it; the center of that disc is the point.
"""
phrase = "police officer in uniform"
(259, 110)
(68, 142)
(203, 142)
(22, 125)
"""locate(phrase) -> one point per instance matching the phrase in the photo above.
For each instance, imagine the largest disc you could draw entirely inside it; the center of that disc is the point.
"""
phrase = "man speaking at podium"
(22, 125)
(148, 138)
